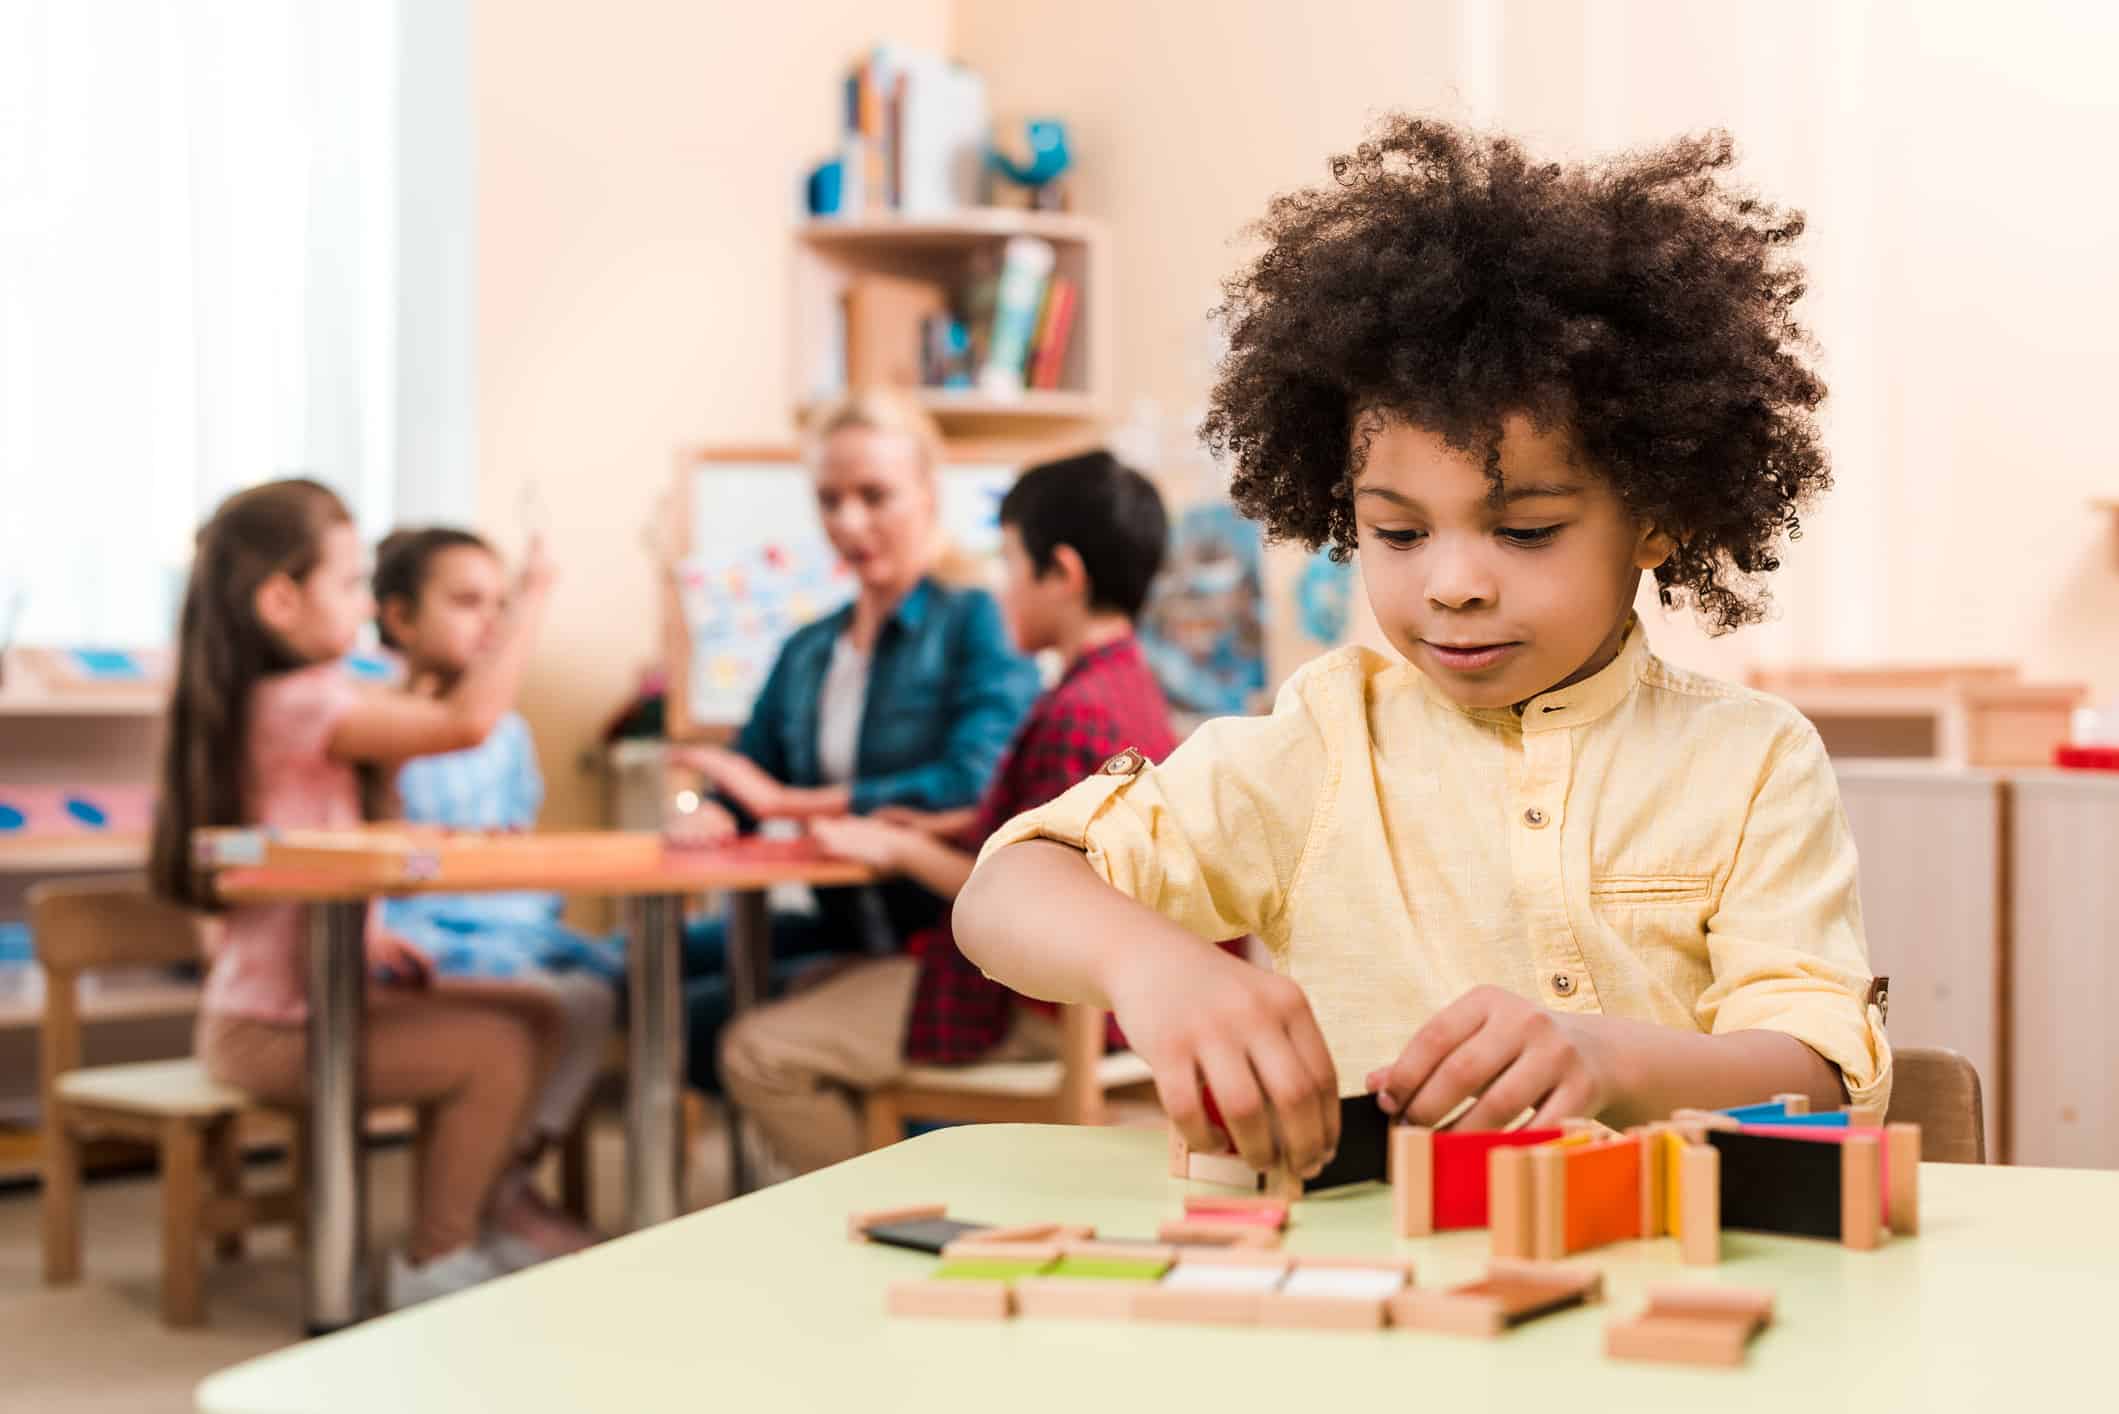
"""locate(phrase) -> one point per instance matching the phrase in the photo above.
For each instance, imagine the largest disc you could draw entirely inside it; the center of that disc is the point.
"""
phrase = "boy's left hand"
(1511, 1053)
(871, 842)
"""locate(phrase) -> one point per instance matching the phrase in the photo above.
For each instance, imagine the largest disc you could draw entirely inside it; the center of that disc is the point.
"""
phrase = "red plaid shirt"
(1107, 701)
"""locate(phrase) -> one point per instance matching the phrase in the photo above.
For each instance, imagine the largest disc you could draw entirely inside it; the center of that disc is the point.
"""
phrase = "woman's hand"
(396, 962)
(879, 845)
(1509, 1052)
(707, 823)
(738, 777)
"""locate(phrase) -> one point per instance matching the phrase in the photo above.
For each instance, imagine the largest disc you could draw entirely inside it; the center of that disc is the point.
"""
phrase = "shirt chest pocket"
(1661, 917)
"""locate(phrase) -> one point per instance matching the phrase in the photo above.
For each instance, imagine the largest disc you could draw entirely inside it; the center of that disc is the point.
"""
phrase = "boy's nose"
(1456, 579)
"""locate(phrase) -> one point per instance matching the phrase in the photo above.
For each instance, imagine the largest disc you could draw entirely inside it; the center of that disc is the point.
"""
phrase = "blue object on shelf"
(1048, 154)
(827, 188)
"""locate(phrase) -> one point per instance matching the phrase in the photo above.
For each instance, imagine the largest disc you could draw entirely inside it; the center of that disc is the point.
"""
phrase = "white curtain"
(202, 258)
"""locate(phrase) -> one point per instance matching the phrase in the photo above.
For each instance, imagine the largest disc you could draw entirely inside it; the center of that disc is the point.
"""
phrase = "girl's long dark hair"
(223, 650)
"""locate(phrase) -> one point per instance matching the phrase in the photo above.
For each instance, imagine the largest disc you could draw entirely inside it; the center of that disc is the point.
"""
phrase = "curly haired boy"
(1523, 861)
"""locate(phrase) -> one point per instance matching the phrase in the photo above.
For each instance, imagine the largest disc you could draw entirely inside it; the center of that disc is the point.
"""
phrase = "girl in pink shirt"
(267, 728)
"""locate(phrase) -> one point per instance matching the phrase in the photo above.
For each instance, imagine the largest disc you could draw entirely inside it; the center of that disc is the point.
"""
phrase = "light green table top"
(2004, 1302)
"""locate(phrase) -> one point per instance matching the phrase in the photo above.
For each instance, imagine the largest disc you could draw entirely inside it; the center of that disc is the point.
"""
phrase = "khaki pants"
(796, 1066)
(470, 1055)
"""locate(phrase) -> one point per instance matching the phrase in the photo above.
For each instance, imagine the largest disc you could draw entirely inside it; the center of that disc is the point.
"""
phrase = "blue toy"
(1049, 160)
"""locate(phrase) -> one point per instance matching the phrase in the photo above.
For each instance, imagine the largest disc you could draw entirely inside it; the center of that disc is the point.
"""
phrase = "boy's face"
(1497, 598)
(459, 603)
(1035, 606)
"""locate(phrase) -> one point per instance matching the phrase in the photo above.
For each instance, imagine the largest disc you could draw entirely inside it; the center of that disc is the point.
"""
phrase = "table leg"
(655, 1034)
(750, 951)
(337, 1288)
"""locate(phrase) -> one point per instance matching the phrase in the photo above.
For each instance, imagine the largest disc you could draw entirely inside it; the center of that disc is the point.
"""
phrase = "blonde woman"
(900, 704)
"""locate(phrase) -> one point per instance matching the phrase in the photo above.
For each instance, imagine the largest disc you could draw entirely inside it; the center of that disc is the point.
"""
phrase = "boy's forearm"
(1037, 918)
(1663, 1069)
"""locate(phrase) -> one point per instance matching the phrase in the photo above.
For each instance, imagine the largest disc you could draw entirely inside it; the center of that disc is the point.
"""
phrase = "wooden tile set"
(1545, 1194)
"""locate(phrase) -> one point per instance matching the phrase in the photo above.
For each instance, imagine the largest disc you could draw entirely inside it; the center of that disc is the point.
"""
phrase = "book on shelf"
(1049, 355)
(1026, 269)
(916, 132)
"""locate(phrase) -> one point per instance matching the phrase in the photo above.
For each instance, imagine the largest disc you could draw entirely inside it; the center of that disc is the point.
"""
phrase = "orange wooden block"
(1902, 1144)
(1861, 1198)
(1121, 1251)
(1509, 1188)
(1194, 1232)
(1793, 1104)
(963, 1299)
(1028, 1232)
(858, 1224)
(981, 1247)
(1699, 1179)
(1412, 1165)
(1510, 1294)
(1692, 1326)
(1603, 1197)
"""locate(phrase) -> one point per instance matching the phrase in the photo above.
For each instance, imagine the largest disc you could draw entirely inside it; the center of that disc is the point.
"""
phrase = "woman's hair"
(891, 410)
(223, 651)
(1643, 305)
(404, 561)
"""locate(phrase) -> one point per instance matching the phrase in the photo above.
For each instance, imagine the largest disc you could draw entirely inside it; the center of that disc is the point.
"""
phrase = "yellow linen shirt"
(1647, 843)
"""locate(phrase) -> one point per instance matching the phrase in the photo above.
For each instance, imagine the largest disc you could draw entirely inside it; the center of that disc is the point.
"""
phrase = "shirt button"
(1563, 984)
(1535, 818)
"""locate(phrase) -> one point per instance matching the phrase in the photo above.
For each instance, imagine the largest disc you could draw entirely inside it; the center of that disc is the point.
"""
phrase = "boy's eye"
(1528, 535)
(1403, 539)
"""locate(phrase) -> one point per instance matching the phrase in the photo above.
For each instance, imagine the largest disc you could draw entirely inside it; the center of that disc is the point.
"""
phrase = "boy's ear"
(1653, 548)
(278, 602)
(1073, 574)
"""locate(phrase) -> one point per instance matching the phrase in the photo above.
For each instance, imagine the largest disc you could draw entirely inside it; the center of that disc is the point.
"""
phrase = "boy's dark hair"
(1447, 280)
(403, 562)
(1111, 515)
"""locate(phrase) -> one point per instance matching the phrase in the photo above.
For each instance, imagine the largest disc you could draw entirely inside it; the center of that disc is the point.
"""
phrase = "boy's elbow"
(973, 904)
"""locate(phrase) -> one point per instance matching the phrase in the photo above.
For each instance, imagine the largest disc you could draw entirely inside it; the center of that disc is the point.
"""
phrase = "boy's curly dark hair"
(1447, 280)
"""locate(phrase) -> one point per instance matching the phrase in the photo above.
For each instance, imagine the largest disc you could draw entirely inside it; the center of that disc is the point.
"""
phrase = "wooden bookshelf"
(64, 854)
(829, 253)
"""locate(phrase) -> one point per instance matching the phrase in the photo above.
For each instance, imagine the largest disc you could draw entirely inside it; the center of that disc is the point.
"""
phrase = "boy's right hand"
(538, 571)
(1195, 1013)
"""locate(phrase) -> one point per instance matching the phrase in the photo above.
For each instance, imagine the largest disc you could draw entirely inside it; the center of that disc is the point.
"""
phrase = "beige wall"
(1959, 247)
(638, 165)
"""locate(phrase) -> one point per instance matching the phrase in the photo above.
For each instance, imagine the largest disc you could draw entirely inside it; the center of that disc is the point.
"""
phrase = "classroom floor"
(99, 1346)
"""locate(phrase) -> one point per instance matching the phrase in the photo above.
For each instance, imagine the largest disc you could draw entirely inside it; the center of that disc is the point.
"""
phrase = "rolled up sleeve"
(1786, 940)
(1213, 837)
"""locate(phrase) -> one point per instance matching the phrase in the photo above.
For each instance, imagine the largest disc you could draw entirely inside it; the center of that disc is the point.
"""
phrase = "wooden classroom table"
(2001, 1303)
(335, 1284)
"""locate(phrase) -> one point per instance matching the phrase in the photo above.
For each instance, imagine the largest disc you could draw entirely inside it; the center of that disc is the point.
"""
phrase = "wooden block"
(1336, 1294)
(1237, 1207)
(1222, 1168)
(1028, 1232)
(1509, 1191)
(1194, 1232)
(1793, 1104)
(983, 1249)
(1861, 1197)
(1710, 1326)
(966, 1300)
(1180, 1155)
(1864, 1116)
(1603, 1194)
(1076, 1299)
(1510, 1294)
(1548, 1204)
(1587, 1127)
(1413, 1179)
(1653, 1178)
(858, 1224)
(1902, 1146)
(1207, 1287)
(1699, 1179)
(1264, 1259)
(1121, 1251)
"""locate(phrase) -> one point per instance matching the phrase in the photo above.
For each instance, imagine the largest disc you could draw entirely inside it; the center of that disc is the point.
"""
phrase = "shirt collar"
(912, 610)
(1569, 706)
(1119, 650)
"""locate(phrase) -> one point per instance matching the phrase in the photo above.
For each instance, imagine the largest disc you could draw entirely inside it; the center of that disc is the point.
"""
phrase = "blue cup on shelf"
(827, 187)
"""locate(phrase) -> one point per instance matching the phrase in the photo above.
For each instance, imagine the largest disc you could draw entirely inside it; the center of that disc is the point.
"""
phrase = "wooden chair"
(191, 1119)
(1070, 1090)
(1939, 1091)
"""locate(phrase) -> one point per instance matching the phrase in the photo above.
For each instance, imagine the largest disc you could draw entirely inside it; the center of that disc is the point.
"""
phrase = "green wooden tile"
(988, 1269)
(1110, 1268)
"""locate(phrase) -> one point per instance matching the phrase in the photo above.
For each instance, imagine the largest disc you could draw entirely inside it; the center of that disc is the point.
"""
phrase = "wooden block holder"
(1339, 1313)
(1510, 1294)
(1692, 1325)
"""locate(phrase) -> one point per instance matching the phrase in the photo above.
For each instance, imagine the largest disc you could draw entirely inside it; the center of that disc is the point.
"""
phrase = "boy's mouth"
(1468, 657)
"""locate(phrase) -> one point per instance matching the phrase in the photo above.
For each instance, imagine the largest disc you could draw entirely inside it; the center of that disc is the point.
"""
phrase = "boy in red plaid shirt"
(1082, 539)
